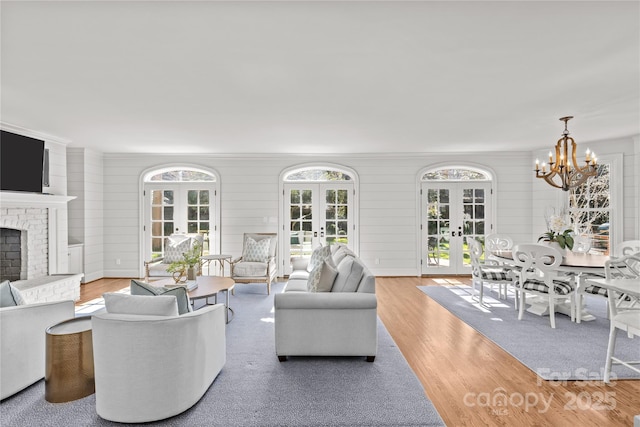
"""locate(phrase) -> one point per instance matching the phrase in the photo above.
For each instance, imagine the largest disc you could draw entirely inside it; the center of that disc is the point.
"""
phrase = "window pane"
(156, 213)
(306, 212)
(295, 212)
(192, 227)
(454, 175)
(192, 214)
(168, 213)
(306, 196)
(331, 196)
(331, 228)
(156, 197)
(342, 212)
(168, 228)
(331, 212)
(317, 175)
(204, 197)
(204, 213)
(342, 227)
(168, 197)
(295, 196)
(192, 197)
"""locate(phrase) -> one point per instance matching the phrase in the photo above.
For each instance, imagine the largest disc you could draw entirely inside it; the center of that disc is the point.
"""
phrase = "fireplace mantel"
(19, 199)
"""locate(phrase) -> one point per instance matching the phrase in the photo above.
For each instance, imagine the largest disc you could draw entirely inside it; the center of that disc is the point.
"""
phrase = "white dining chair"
(487, 272)
(539, 276)
(626, 267)
(628, 247)
(629, 322)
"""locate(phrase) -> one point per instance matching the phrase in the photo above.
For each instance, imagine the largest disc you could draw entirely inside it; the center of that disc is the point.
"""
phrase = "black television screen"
(21, 161)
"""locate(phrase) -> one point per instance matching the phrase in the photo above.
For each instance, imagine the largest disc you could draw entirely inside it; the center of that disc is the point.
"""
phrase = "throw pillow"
(318, 256)
(349, 275)
(340, 253)
(162, 305)
(173, 253)
(322, 277)
(182, 297)
(9, 295)
(257, 251)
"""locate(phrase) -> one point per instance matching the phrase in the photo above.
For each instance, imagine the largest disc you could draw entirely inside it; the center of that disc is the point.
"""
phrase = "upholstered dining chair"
(487, 272)
(257, 264)
(625, 267)
(539, 276)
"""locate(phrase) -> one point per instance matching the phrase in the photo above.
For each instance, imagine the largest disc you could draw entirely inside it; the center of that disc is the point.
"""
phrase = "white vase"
(555, 245)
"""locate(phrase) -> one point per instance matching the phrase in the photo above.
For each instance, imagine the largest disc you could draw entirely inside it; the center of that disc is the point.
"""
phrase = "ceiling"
(320, 77)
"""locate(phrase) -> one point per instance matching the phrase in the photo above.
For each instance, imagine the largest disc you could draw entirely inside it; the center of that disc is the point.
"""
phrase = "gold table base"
(69, 361)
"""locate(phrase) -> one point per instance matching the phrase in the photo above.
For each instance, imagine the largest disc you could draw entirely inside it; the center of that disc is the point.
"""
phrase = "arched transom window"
(316, 175)
(456, 174)
(179, 175)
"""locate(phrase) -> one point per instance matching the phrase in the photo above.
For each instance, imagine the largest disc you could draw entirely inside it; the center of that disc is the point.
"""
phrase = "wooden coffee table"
(208, 286)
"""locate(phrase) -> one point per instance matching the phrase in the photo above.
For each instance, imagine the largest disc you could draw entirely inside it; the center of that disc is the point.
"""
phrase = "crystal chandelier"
(563, 172)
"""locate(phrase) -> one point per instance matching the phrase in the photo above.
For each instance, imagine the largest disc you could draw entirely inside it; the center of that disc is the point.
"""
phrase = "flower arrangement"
(559, 227)
(191, 258)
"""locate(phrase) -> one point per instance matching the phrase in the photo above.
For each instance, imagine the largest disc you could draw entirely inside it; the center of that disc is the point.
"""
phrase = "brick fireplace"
(41, 222)
(24, 238)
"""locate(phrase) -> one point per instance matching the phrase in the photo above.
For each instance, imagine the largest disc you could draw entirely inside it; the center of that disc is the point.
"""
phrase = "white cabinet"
(76, 258)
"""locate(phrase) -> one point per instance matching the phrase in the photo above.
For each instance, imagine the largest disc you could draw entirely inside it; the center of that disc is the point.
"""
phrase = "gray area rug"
(255, 389)
(572, 351)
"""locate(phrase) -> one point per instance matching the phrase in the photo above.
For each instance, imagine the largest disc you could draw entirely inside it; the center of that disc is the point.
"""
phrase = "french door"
(177, 208)
(314, 214)
(451, 212)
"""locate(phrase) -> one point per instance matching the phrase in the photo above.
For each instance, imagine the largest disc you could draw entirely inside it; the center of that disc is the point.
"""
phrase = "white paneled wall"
(85, 181)
(388, 222)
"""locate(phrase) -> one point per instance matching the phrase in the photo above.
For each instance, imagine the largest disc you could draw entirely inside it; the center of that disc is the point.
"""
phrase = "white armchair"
(175, 246)
(22, 347)
(257, 264)
(149, 368)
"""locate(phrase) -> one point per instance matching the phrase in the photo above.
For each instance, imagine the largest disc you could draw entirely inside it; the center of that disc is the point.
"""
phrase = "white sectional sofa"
(340, 320)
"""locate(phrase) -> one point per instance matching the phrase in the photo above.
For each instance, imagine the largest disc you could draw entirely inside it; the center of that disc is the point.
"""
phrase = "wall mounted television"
(21, 163)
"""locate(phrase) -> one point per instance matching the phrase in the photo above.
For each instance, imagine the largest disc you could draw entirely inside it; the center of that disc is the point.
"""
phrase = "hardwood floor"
(460, 369)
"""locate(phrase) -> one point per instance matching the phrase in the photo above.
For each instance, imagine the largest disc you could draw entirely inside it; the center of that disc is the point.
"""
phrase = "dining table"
(581, 265)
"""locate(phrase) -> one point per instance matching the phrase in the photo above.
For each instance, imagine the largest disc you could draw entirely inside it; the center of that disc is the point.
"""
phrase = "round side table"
(69, 361)
(219, 258)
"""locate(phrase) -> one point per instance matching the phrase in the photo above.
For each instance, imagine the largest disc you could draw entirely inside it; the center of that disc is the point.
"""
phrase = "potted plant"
(185, 269)
(559, 231)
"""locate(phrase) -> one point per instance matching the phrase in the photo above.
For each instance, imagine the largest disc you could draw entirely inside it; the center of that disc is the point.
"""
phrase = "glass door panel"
(176, 208)
(316, 213)
(452, 212)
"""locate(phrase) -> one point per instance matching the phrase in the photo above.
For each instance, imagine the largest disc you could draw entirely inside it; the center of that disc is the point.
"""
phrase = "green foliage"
(564, 239)
(190, 259)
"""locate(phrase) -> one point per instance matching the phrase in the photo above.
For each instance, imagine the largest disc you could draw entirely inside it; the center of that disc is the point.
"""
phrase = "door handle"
(315, 234)
(459, 233)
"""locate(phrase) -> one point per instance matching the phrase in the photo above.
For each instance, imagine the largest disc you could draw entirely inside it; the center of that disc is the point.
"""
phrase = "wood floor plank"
(460, 369)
